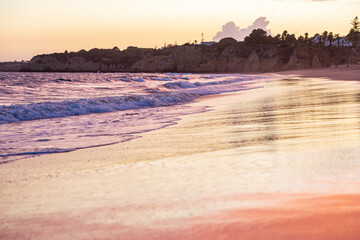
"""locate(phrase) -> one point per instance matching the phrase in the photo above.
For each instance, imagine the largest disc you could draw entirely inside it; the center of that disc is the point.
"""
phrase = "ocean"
(42, 113)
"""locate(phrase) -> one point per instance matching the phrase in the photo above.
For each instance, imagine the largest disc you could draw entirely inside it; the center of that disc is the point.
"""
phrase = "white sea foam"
(185, 84)
(33, 111)
(161, 79)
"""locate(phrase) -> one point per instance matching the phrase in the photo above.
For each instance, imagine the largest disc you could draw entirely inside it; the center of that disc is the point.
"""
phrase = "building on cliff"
(340, 42)
(207, 43)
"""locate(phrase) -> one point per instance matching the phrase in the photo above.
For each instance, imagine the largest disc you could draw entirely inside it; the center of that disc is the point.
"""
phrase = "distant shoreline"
(222, 57)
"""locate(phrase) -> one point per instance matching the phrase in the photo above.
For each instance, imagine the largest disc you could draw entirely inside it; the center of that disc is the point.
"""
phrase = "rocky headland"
(226, 56)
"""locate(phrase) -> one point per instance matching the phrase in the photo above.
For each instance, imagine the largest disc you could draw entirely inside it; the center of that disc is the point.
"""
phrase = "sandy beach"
(341, 72)
(282, 164)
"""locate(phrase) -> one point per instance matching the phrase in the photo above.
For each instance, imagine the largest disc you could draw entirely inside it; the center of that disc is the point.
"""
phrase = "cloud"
(231, 30)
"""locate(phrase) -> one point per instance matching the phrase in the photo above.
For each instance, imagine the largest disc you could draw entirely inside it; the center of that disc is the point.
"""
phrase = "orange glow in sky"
(31, 27)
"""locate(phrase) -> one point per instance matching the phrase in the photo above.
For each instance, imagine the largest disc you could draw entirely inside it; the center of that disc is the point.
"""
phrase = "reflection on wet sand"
(293, 151)
(304, 112)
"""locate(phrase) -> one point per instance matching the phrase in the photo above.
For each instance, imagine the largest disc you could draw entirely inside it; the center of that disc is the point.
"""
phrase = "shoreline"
(97, 191)
(305, 72)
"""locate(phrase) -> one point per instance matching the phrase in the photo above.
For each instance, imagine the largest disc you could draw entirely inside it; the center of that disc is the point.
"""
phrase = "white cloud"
(231, 30)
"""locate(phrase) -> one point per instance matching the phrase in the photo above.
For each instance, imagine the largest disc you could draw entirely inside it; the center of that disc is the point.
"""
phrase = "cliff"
(222, 57)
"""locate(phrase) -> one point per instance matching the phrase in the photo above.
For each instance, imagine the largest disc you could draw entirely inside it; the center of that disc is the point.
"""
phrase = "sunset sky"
(31, 27)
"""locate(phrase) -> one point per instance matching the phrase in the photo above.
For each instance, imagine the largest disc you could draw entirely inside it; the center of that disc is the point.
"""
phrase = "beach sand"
(279, 162)
(341, 72)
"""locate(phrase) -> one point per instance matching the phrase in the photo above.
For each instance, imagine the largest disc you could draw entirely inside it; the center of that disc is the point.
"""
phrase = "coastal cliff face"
(217, 58)
(245, 59)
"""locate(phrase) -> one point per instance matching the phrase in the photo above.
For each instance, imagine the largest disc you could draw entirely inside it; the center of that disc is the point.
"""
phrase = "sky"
(31, 27)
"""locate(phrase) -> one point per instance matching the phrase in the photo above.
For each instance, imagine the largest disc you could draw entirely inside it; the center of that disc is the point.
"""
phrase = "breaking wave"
(185, 84)
(44, 110)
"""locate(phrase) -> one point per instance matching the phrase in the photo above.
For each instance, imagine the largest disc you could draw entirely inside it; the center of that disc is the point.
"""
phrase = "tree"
(324, 35)
(307, 40)
(284, 35)
(337, 37)
(291, 39)
(258, 36)
(277, 38)
(301, 39)
(331, 38)
(356, 24)
(354, 33)
(306, 36)
(225, 42)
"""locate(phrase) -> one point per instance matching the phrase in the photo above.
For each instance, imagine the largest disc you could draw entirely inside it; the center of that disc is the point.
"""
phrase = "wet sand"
(280, 162)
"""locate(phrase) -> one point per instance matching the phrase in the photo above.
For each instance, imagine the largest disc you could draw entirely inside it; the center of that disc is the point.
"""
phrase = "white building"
(208, 43)
(341, 42)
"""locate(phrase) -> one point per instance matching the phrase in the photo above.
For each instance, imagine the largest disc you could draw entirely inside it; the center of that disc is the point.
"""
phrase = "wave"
(160, 79)
(44, 110)
(63, 80)
(185, 84)
(139, 79)
(167, 93)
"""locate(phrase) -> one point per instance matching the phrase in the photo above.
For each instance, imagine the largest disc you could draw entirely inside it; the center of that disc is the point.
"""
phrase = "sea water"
(58, 112)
